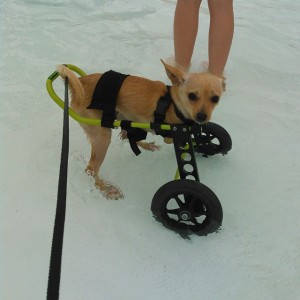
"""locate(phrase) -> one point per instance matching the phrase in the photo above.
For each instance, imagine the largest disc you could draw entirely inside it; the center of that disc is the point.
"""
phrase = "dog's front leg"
(146, 146)
(100, 141)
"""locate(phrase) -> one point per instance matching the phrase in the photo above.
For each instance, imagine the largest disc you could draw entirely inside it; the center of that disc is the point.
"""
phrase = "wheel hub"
(185, 215)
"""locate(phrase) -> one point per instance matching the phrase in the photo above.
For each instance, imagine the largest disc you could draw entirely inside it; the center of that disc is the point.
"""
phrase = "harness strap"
(162, 107)
(134, 135)
(163, 104)
(182, 117)
(105, 96)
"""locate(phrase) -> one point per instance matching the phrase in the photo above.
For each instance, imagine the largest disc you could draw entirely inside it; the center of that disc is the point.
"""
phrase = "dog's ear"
(175, 75)
(223, 82)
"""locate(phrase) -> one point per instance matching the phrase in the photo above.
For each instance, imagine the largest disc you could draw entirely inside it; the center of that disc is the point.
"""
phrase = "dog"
(194, 94)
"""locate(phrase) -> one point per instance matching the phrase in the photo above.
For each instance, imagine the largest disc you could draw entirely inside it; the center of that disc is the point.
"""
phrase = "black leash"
(58, 232)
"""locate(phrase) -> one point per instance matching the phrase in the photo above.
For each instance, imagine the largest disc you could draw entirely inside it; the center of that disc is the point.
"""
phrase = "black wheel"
(212, 139)
(187, 205)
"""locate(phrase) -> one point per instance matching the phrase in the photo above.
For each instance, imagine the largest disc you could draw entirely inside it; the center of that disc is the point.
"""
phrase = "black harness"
(105, 99)
(162, 107)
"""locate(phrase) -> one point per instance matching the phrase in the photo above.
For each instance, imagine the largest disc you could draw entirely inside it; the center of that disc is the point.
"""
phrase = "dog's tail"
(74, 84)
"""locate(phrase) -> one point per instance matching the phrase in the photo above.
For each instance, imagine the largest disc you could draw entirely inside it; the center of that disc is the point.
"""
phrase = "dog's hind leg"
(100, 138)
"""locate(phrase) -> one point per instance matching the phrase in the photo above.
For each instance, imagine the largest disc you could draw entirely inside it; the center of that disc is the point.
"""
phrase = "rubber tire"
(224, 138)
(205, 197)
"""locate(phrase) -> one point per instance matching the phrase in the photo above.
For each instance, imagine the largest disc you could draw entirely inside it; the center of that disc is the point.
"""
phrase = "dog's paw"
(108, 190)
(168, 140)
(123, 135)
(149, 146)
(113, 193)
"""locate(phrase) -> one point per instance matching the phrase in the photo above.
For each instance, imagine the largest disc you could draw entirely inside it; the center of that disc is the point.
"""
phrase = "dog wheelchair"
(184, 204)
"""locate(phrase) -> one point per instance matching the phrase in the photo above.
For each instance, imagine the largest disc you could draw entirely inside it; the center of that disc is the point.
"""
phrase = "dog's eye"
(215, 99)
(192, 96)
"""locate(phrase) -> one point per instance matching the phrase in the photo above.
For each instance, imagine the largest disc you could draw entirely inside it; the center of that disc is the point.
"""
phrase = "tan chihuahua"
(194, 94)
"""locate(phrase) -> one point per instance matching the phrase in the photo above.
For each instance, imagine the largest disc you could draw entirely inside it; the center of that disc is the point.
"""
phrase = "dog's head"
(195, 94)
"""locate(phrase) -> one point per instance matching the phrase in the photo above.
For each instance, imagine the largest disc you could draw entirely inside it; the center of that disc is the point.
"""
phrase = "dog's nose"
(201, 117)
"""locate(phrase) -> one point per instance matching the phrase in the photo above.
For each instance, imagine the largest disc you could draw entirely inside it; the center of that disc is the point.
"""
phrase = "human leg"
(185, 30)
(220, 34)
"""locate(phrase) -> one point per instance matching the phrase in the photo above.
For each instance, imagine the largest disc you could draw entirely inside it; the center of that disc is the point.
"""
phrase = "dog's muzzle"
(201, 117)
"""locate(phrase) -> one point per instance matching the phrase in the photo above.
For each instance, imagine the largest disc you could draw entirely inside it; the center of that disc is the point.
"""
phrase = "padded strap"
(105, 96)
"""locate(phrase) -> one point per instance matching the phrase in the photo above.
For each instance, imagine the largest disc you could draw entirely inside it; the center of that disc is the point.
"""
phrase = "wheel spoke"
(173, 211)
(178, 201)
(203, 213)
(191, 202)
(206, 138)
(195, 221)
